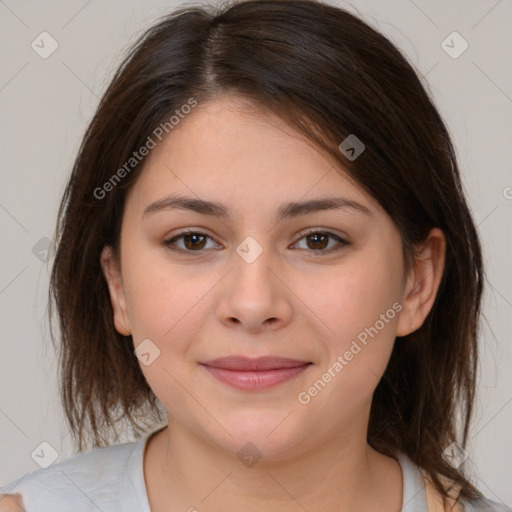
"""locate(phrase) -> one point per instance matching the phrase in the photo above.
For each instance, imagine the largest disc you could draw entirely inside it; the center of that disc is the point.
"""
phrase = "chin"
(266, 438)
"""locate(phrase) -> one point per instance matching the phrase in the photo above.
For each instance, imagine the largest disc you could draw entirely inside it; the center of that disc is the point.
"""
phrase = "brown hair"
(328, 74)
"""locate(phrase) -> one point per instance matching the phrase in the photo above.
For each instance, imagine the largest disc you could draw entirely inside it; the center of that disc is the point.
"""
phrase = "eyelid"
(327, 231)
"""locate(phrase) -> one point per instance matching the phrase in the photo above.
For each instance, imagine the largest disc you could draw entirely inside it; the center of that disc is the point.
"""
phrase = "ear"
(112, 274)
(422, 283)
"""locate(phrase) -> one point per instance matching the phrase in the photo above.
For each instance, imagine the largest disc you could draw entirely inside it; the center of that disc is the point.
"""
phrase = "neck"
(183, 472)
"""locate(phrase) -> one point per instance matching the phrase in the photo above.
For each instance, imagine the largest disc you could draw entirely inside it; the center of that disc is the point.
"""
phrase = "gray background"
(47, 103)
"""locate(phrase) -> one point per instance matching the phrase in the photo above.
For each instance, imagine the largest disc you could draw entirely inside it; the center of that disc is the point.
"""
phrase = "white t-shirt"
(111, 479)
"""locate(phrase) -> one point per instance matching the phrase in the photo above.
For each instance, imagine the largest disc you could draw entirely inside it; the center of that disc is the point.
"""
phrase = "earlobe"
(112, 274)
(422, 283)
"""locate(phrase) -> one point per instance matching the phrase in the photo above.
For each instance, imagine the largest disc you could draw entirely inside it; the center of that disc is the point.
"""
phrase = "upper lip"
(242, 363)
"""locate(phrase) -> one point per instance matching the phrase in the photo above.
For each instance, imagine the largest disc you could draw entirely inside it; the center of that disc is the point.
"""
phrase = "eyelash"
(169, 243)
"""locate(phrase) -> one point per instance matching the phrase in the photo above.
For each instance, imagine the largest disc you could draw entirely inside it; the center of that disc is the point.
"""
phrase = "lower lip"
(255, 380)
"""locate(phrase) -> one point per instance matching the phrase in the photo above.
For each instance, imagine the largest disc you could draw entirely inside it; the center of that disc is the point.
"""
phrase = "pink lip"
(260, 373)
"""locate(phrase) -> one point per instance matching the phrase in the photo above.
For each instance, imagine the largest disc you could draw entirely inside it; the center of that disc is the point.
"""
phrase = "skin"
(289, 302)
(11, 503)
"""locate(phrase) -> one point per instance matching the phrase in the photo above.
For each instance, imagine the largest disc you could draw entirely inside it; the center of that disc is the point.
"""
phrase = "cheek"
(160, 296)
(358, 305)
(351, 298)
(165, 306)
(168, 305)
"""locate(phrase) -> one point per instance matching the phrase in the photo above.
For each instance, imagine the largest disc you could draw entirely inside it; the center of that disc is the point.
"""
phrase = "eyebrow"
(287, 210)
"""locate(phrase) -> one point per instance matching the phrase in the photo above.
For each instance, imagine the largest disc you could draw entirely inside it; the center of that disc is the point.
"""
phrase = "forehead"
(231, 150)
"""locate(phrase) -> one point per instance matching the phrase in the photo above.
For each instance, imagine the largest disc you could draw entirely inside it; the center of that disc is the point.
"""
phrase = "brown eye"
(193, 241)
(317, 242)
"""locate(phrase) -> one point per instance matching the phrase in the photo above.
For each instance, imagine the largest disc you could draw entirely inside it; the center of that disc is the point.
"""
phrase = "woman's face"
(254, 283)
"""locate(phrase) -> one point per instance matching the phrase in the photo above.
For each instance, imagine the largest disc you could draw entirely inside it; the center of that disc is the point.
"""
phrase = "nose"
(254, 297)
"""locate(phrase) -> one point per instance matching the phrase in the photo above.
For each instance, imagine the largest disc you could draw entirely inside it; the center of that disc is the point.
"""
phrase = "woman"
(265, 239)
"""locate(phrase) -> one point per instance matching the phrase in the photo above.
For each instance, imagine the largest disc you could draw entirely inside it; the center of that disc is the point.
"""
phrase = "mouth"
(255, 374)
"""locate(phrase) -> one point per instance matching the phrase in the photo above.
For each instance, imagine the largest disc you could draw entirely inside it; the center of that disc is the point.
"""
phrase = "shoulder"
(11, 503)
(79, 483)
(435, 502)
